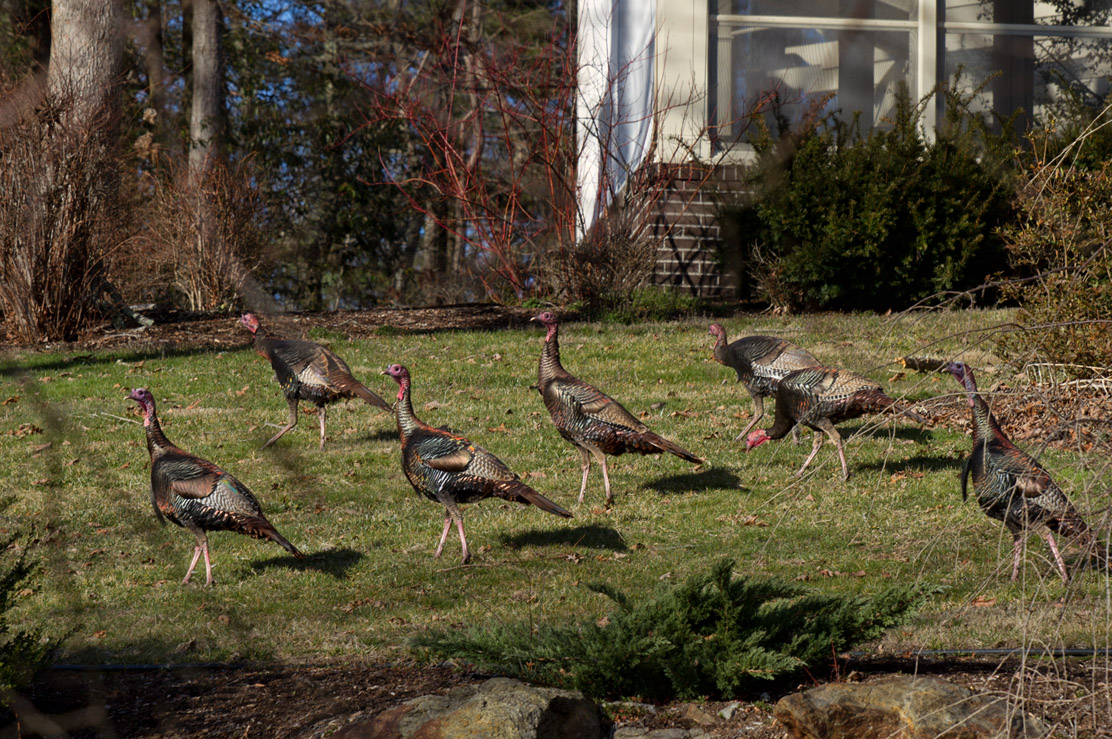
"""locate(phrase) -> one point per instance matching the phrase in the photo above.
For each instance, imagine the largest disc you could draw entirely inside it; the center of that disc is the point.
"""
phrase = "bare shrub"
(59, 218)
(1061, 242)
(606, 266)
(203, 235)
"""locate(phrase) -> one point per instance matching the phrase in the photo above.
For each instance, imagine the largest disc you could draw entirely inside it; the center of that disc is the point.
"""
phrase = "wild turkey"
(1013, 488)
(451, 470)
(592, 421)
(199, 496)
(760, 362)
(307, 371)
(820, 397)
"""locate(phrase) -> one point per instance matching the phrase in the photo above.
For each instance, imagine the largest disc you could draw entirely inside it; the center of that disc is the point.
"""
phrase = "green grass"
(371, 581)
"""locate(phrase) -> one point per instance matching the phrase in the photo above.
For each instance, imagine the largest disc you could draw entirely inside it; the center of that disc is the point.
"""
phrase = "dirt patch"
(313, 701)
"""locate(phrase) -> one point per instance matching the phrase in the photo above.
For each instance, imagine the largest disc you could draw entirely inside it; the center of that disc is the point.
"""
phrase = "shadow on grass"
(334, 562)
(916, 463)
(10, 369)
(715, 478)
(913, 433)
(591, 537)
(386, 434)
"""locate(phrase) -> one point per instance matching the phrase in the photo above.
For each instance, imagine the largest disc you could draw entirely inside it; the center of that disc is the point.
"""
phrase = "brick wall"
(687, 228)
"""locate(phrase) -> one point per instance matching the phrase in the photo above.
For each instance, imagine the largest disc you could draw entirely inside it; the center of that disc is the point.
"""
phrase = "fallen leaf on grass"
(981, 602)
(835, 573)
(11, 399)
(100, 634)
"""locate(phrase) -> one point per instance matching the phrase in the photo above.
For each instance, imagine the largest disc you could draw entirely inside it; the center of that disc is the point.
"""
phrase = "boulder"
(903, 707)
(496, 709)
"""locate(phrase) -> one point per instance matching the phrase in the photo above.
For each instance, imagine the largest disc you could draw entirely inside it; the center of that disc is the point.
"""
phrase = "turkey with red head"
(1011, 487)
(820, 397)
(760, 362)
(450, 470)
(199, 496)
(591, 420)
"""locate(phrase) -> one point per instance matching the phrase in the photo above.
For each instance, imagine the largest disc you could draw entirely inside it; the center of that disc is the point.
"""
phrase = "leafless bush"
(59, 218)
(203, 234)
(1062, 241)
(610, 263)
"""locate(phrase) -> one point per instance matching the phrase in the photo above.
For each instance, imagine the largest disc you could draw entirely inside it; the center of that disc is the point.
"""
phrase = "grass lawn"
(74, 453)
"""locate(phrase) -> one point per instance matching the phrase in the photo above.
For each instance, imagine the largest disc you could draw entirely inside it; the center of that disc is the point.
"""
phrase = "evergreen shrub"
(838, 220)
(714, 635)
(22, 652)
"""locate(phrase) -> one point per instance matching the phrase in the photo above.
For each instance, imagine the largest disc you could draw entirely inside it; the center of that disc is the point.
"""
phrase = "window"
(847, 56)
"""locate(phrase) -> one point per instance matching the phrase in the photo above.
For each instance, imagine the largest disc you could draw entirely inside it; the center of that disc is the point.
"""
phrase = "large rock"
(903, 707)
(497, 709)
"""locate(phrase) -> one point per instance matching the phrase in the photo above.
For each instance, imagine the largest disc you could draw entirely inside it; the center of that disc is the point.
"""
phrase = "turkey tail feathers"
(881, 401)
(519, 492)
(674, 448)
(370, 397)
(281, 541)
(909, 413)
(260, 528)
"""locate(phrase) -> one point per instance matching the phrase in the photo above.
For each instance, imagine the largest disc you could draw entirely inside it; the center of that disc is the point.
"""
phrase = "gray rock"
(497, 709)
(903, 707)
(729, 710)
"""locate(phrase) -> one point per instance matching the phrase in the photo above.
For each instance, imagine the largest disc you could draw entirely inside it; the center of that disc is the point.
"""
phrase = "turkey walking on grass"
(307, 371)
(592, 421)
(1011, 487)
(760, 362)
(820, 397)
(450, 470)
(199, 496)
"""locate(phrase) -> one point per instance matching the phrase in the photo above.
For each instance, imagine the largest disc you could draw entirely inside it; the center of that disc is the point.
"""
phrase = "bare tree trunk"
(206, 251)
(154, 59)
(469, 139)
(206, 120)
(86, 51)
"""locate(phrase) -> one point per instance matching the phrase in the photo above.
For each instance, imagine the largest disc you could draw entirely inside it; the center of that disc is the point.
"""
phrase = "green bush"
(839, 221)
(714, 635)
(21, 652)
